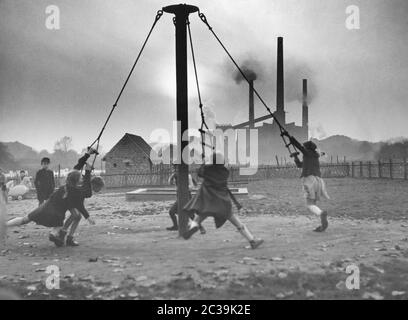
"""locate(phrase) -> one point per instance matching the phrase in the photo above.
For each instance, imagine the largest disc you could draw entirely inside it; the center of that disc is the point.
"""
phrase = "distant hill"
(21, 151)
(26, 158)
(335, 146)
(352, 149)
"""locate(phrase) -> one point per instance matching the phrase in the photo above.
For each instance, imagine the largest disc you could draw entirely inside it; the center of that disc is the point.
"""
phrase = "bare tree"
(64, 144)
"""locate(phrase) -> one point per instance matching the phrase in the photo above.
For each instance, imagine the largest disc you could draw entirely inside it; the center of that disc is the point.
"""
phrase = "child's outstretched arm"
(82, 161)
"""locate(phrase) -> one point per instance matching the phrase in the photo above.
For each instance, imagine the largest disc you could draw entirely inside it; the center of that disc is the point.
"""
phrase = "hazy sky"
(56, 83)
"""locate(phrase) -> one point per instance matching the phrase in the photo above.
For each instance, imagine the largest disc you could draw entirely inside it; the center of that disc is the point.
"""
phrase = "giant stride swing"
(182, 27)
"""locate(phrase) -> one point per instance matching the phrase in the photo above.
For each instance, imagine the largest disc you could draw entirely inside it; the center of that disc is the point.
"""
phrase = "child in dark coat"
(72, 223)
(213, 200)
(313, 185)
(52, 212)
(44, 181)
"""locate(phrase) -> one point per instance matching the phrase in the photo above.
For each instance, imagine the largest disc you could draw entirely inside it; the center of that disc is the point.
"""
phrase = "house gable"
(130, 155)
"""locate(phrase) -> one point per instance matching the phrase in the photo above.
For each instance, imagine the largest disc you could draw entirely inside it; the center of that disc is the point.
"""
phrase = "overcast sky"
(56, 83)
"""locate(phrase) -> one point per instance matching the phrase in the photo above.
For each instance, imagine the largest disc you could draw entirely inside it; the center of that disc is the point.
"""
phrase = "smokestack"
(251, 105)
(305, 110)
(280, 109)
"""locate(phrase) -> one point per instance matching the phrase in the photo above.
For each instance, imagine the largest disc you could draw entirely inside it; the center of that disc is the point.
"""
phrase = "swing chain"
(156, 19)
(203, 122)
(284, 132)
(158, 15)
(204, 19)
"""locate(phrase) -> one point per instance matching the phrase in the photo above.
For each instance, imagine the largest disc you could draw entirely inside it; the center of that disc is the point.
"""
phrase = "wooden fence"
(159, 175)
(391, 169)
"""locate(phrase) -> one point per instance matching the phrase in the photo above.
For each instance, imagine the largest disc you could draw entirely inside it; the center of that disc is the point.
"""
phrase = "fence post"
(369, 169)
(391, 176)
(162, 172)
(379, 169)
(361, 169)
(352, 169)
(405, 169)
(59, 175)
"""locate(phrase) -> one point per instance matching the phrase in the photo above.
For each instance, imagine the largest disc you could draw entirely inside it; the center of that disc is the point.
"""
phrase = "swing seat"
(170, 194)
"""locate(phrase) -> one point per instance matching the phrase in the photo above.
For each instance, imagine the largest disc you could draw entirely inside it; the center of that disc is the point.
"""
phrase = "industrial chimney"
(305, 110)
(280, 108)
(251, 105)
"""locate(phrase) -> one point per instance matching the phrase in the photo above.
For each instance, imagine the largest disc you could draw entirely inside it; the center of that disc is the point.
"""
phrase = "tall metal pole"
(280, 100)
(181, 13)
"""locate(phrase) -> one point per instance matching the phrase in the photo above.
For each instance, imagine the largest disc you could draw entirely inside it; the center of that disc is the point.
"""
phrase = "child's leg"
(69, 221)
(173, 217)
(241, 228)
(74, 225)
(245, 232)
(18, 221)
(313, 208)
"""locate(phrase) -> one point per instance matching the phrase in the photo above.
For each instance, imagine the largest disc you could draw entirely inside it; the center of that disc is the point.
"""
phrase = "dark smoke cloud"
(295, 70)
(252, 70)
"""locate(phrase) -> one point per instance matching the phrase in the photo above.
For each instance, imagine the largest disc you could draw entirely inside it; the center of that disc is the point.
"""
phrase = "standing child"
(213, 200)
(24, 179)
(44, 181)
(313, 185)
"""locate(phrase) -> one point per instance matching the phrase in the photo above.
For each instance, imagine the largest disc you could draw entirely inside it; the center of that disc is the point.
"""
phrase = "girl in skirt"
(313, 185)
(79, 210)
(213, 200)
(51, 213)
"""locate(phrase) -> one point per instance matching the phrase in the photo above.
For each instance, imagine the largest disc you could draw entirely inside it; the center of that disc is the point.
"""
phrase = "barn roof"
(138, 142)
(141, 143)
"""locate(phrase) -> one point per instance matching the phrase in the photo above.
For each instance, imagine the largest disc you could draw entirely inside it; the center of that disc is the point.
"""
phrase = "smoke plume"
(251, 68)
(264, 72)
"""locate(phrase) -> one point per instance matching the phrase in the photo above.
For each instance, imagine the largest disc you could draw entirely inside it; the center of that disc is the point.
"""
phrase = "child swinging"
(213, 200)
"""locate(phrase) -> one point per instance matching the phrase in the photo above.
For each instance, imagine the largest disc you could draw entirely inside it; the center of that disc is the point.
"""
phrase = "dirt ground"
(129, 254)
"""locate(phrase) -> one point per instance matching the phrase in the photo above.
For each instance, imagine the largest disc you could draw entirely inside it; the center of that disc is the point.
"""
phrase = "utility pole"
(181, 12)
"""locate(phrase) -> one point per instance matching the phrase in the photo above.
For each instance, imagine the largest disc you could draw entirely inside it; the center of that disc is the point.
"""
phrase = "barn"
(131, 154)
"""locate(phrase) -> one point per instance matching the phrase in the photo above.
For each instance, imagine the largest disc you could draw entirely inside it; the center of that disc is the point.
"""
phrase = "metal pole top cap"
(185, 9)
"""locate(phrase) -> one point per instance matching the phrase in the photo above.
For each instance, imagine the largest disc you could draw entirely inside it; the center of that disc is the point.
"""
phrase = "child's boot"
(193, 229)
(255, 243)
(71, 242)
(175, 225)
